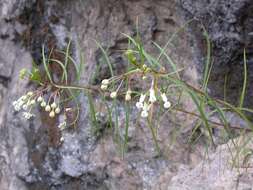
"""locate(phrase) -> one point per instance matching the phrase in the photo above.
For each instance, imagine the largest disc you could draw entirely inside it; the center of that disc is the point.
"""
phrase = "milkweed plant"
(54, 92)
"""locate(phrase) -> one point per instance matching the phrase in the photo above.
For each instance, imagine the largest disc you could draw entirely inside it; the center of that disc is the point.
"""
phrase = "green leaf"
(35, 75)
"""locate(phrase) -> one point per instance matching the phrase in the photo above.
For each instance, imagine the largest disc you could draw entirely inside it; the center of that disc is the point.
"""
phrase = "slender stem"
(213, 122)
(154, 137)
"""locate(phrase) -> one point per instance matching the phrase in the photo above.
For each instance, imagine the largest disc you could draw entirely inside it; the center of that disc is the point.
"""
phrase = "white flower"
(25, 106)
(164, 97)
(28, 103)
(128, 95)
(167, 105)
(62, 125)
(152, 97)
(32, 102)
(105, 82)
(27, 115)
(47, 108)
(113, 94)
(17, 105)
(146, 106)
(30, 93)
(144, 114)
(51, 114)
(40, 99)
(24, 97)
(144, 77)
(142, 98)
(43, 104)
(57, 110)
(61, 139)
(139, 105)
(53, 105)
(104, 87)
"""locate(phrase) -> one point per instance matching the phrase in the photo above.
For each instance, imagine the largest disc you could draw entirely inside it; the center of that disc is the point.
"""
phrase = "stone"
(226, 168)
(31, 153)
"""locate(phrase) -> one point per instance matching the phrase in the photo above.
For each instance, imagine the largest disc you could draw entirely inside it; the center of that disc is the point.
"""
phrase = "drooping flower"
(25, 106)
(128, 95)
(32, 102)
(104, 87)
(167, 104)
(142, 98)
(27, 115)
(18, 104)
(30, 93)
(53, 105)
(144, 114)
(48, 108)
(139, 104)
(105, 82)
(152, 97)
(145, 110)
(52, 114)
(164, 97)
(62, 125)
(57, 110)
(113, 94)
(43, 104)
(146, 106)
(40, 99)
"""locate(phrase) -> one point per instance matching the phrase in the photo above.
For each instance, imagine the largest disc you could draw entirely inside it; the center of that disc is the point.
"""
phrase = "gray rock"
(229, 25)
(31, 153)
(226, 168)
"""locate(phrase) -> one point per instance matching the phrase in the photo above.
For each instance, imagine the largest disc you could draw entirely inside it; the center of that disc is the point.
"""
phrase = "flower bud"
(51, 114)
(43, 104)
(32, 102)
(144, 77)
(104, 87)
(167, 105)
(53, 105)
(142, 98)
(25, 107)
(47, 108)
(23, 97)
(164, 97)
(144, 114)
(30, 93)
(128, 95)
(113, 94)
(105, 82)
(40, 99)
(57, 110)
(152, 97)
(139, 105)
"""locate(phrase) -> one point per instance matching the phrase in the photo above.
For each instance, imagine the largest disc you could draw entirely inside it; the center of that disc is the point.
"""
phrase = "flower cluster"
(141, 104)
(145, 106)
(106, 82)
(25, 102)
(30, 99)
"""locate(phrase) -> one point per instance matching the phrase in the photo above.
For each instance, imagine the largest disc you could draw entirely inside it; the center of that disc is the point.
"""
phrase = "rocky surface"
(225, 169)
(229, 24)
(32, 157)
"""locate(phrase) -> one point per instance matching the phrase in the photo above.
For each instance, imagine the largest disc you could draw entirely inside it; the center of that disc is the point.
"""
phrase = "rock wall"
(229, 25)
(31, 154)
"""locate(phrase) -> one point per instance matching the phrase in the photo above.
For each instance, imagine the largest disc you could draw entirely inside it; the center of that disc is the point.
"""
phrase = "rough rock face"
(31, 154)
(222, 170)
(229, 24)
